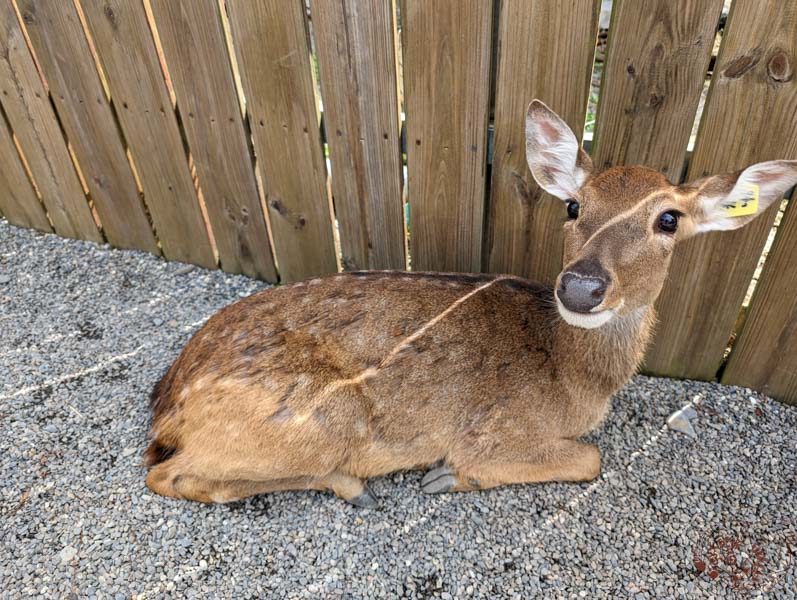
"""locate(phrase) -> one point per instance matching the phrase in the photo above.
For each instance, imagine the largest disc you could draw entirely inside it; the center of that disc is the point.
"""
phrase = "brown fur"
(324, 383)
(277, 386)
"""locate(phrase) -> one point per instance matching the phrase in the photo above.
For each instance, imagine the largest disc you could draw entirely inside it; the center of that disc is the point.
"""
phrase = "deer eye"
(668, 221)
(572, 209)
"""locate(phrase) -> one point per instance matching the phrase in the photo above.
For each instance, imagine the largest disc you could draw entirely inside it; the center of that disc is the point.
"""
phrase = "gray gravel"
(85, 331)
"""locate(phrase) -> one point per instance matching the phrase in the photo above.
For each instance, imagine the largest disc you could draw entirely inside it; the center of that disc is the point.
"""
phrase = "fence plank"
(18, 202)
(446, 84)
(273, 52)
(356, 44)
(546, 52)
(749, 117)
(764, 356)
(63, 52)
(127, 52)
(196, 54)
(656, 65)
(27, 106)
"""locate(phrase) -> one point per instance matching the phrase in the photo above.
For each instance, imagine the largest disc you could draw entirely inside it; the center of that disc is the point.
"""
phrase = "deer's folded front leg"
(560, 460)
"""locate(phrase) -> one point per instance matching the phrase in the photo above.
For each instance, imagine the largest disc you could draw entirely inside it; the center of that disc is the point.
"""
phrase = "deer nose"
(583, 286)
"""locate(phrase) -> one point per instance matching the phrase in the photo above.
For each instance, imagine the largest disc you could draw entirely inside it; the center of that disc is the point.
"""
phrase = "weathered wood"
(446, 53)
(18, 201)
(273, 52)
(764, 356)
(63, 52)
(129, 60)
(27, 106)
(546, 52)
(656, 65)
(356, 44)
(749, 117)
(199, 65)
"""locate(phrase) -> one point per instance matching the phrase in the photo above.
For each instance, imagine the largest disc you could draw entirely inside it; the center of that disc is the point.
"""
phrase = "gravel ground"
(85, 331)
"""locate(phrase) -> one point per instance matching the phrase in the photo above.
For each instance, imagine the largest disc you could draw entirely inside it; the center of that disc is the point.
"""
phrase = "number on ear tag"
(746, 204)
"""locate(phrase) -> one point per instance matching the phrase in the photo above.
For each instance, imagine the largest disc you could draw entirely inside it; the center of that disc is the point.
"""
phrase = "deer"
(481, 380)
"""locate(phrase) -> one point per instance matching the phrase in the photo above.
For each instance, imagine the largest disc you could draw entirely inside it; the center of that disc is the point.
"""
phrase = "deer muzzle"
(582, 287)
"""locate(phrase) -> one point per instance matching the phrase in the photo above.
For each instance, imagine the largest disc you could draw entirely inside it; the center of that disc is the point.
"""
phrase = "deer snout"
(583, 286)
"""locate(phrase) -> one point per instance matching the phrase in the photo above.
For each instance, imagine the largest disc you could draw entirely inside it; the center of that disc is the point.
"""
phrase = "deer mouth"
(585, 320)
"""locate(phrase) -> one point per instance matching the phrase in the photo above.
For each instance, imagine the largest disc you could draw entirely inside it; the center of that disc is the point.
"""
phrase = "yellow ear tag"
(746, 204)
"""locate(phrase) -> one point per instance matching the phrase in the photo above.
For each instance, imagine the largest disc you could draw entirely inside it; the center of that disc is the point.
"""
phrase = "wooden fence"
(192, 129)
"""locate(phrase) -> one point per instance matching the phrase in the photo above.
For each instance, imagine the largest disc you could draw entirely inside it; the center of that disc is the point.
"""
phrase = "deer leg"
(350, 488)
(208, 490)
(563, 460)
(166, 480)
(171, 479)
(175, 478)
(160, 479)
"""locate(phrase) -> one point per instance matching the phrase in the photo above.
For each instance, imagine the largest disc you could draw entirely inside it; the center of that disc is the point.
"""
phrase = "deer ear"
(555, 157)
(733, 200)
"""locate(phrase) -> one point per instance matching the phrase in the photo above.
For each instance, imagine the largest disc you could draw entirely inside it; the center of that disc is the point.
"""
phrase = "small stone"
(68, 554)
(680, 421)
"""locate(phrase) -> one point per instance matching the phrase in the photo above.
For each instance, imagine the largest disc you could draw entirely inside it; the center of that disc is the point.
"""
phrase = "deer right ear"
(556, 159)
(732, 200)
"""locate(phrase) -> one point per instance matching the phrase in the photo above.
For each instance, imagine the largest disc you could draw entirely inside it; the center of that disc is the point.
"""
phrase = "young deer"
(488, 379)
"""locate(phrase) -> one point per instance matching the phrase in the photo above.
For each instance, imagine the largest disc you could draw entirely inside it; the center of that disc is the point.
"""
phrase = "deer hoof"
(364, 500)
(438, 480)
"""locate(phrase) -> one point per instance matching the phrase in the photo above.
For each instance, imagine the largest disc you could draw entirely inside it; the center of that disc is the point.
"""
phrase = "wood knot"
(779, 67)
(298, 221)
(630, 70)
(110, 15)
(741, 65)
(528, 195)
(655, 99)
(277, 205)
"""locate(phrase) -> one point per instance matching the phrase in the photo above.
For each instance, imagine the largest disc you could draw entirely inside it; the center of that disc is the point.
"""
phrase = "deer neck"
(601, 360)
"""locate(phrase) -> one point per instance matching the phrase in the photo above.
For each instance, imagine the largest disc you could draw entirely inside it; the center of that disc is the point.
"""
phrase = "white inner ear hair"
(716, 217)
(772, 179)
(558, 174)
(552, 156)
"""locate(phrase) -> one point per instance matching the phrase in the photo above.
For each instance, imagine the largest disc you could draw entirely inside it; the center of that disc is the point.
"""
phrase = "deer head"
(623, 223)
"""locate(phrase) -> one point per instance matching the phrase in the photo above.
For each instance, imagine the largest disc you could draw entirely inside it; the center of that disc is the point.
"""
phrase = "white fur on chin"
(584, 320)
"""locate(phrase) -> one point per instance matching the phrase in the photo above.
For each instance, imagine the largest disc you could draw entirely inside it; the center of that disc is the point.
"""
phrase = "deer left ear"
(556, 160)
(733, 200)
